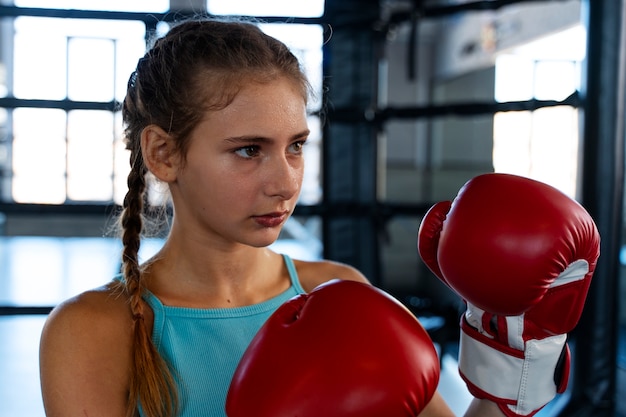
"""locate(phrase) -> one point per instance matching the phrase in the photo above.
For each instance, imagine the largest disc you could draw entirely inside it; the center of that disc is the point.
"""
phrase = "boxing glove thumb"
(428, 236)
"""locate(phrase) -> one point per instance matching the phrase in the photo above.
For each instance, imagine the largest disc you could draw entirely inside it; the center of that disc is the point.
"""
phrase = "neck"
(191, 277)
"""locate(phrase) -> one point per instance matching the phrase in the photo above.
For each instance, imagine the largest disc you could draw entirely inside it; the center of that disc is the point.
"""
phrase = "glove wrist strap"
(522, 382)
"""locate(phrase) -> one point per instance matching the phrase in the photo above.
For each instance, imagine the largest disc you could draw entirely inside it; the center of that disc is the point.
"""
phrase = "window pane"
(514, 78)
(39, 156)
(547, 72)
(309, 8)
(512, 134)
(89, 155)
(39, 62)
(107, 5)
(91, 73)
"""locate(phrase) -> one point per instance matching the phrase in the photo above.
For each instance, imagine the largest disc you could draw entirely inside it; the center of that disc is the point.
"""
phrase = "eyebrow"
(263, 139)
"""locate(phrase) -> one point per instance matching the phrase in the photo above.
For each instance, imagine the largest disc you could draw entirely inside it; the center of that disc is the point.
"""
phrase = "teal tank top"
(204, 346)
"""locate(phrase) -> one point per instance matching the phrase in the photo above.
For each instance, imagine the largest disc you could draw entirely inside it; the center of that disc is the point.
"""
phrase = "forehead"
(259, 107)
(278, 93)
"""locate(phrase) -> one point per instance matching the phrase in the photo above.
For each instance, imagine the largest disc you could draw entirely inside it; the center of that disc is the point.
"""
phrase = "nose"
(284, 177)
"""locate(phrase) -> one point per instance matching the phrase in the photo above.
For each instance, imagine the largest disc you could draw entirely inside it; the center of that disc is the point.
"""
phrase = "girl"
(217, 112)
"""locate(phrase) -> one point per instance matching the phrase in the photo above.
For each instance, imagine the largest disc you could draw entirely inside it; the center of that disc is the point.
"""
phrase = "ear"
(159, 153)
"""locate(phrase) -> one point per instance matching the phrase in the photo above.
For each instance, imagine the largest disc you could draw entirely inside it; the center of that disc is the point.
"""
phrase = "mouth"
(271, 219)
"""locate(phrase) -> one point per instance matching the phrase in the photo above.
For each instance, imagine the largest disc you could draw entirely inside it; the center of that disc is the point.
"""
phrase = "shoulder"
(312, 274)
(101, 306)
(90, 324)
(85, 353)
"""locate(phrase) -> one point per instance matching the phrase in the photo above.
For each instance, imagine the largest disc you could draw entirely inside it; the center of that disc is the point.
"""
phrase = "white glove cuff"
(524, 380)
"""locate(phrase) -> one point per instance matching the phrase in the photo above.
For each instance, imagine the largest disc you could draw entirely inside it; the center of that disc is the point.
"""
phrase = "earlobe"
(159, 153)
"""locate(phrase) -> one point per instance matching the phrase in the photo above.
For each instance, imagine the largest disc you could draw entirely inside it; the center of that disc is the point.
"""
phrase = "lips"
(271, 219)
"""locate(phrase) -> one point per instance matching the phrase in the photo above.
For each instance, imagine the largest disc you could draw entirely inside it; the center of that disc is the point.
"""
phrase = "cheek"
(232, 186)
(209, 181)
(299, 172)
(240, 189)
(300, 176)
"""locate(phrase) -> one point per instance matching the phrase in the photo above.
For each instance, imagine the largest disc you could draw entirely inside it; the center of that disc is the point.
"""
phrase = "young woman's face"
(244, 166)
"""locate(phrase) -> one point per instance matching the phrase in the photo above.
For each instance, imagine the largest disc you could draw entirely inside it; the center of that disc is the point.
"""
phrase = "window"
(542, 144)
(58, 155)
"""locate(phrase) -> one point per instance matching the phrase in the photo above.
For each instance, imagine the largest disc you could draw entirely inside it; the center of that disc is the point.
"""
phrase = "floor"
(40, 272)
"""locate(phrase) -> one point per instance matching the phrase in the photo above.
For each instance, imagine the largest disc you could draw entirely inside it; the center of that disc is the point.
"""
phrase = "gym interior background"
(415, 98)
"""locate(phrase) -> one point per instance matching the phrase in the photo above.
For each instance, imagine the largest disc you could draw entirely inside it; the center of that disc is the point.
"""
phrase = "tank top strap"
(293, 274)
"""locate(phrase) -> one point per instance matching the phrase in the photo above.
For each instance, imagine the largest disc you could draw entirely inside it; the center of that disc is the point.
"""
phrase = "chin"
(263, 242)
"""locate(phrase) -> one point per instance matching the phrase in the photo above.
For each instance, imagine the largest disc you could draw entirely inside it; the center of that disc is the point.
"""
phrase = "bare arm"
(477, 408)
(84, 357)
(437, 407)
(483, 408)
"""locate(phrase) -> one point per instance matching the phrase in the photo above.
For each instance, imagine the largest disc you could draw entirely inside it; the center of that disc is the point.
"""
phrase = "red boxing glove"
(346, 349)
(521, 254)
